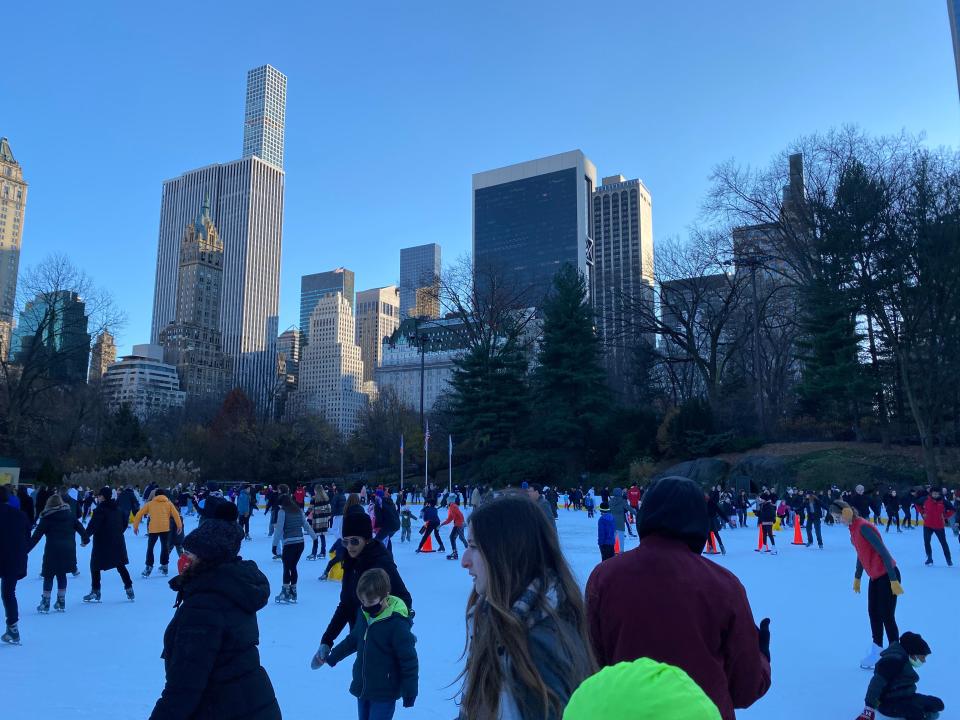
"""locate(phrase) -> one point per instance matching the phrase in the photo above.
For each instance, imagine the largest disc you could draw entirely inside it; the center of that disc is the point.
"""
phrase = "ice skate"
(292, 595)
(284, 596)
(146, 571)
(872, 657)
(130, 595)
(311, 557)
(44, 606)
(61, 604)
(92, 597)
(12, 635)
(453, 556)
(163, 570)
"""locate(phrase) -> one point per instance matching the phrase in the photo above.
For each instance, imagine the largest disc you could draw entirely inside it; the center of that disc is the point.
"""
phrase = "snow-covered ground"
(103, 661)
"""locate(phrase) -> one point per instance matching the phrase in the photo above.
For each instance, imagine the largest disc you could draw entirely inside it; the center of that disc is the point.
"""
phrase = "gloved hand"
(409, 701)
(320, 657)
(896, 588)
(856, 585)
(867, 714)
(765, 637)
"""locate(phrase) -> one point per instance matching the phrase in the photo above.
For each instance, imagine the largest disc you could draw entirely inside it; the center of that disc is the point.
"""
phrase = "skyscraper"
(13, 206)
(419, 270)
(193, 342)
(529, 219)
(143, 382)
(288, 347)
(623, 268)
(52, 337)
(265, 115)
(102, 356)
(378, 315)
(331, 370)
(246, 206)
(313, 287)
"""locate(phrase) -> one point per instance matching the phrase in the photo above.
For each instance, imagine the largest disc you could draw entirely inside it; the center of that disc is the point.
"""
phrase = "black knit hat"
(106, 493)
(215, 541)
(675, 507)
(357, 524)
(914, 644)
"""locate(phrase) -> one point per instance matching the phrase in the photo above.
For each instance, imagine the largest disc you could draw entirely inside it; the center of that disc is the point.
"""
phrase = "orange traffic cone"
(759, 539)
(711, 547)
(797, 535)
(428, 545)
(616, 545)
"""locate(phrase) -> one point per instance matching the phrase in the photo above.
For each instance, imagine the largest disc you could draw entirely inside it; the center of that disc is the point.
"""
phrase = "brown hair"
(54, 501)
(373, 583)
(288, 504)
(520, 548)
(354, 499)
(320, 495)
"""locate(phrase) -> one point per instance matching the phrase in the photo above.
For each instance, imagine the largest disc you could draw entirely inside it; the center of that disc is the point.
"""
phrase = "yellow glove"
(896, 587)
(856, 585)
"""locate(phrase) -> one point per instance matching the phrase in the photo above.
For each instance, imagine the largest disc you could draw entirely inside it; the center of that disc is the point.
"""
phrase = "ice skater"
(14, 541)
(455, 516)
(109, 547)
(431, 523)
(288, 535)
(893, 688)
(59, 523)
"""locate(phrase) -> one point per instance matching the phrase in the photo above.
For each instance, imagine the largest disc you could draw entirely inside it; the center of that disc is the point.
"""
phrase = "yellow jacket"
(160, 510)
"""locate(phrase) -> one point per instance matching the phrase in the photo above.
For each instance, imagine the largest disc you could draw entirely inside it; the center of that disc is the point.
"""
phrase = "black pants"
(427, 529)
(814, 524)
(606, 552)
(244, 522)
(320, 540)
(941, 536)
(913, 708)
(8, 590)
(768, 534)
(291, 556)
(893, 517)
(121, 570)
(882, 609)
(164, 538)
(742, 517)
(716, 535)
(457, 532)
(906, 518)
(61, 583)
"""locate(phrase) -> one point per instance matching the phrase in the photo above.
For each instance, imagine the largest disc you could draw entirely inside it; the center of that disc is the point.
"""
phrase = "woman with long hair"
(527, 638)
(60, 525)
(291, 523)
(319, 518)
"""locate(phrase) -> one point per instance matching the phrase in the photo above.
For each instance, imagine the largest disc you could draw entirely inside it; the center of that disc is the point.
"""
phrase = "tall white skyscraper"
(378, 315)
(246, 205)
(265, 115)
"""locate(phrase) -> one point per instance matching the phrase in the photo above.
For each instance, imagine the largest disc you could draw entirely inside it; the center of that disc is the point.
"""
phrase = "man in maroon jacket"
(666, 602)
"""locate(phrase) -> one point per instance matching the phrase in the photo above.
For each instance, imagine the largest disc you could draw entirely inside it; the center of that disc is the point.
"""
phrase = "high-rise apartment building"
(102, 356)
(13, 206)
(953, 11)
(143, 382)
(288, 350)
(246, 206)
(419, 285)
(331, 368)
(264, 117)
(52, 336)
(313, 287)
(378, 315)
(531, 218)
(193, 342)
(623, 269)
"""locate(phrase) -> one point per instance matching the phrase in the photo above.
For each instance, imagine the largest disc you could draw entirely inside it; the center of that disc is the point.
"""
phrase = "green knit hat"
(638, 690)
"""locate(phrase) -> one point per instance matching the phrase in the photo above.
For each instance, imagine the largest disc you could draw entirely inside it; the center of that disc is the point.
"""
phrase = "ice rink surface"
(103, 660)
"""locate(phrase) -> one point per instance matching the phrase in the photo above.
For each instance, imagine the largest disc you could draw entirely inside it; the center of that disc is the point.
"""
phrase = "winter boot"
(130, 595)
(44, 606)
(61, 604)
(92, 597)
(872, 657)
(146, 571)
(12, 635)
(284, 596)
(292, 594)
(163, 570)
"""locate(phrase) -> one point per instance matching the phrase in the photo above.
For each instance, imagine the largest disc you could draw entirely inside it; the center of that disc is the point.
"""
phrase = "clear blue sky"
(393, 105)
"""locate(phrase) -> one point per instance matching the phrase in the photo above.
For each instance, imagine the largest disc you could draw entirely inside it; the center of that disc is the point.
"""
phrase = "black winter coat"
(210, 648)
(26, 505)
(60, 551)
(127, 504)
(106, 527)
(374, 555)
(894, 678)
(14, 539)
(386, 666)
(40, 501)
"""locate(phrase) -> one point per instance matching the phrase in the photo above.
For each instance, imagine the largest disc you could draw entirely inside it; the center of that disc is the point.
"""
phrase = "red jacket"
(633, 497)
(453, 515)
(667, 603)
(934, 514)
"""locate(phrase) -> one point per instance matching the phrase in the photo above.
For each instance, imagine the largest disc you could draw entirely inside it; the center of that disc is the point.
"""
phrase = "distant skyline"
(391, 108)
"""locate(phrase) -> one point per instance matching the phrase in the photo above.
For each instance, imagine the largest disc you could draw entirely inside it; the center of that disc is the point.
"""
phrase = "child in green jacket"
(386, 668)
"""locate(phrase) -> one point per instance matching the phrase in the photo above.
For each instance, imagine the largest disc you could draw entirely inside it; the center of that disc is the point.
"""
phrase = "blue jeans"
(368, 710)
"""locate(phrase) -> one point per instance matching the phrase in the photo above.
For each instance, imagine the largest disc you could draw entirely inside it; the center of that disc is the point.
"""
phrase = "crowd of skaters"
(536, 646)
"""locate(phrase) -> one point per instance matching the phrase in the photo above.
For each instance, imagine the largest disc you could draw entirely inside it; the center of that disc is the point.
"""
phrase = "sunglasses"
(353, 541)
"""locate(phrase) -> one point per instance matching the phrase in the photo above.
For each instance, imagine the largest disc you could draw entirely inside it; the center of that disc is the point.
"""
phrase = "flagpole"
(426, 460)
(450, 464)
(401, 466)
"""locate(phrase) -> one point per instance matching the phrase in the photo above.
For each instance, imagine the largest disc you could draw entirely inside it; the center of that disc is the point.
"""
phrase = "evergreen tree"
(569, 385)
(123, 438)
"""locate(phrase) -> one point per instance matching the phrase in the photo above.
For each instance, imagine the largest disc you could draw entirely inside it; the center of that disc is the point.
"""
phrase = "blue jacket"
(430, 515)
(606, 529)
(243, 504)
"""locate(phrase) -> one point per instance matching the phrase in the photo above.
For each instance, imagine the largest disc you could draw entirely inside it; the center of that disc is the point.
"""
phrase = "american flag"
(426, 437)
(401, 444)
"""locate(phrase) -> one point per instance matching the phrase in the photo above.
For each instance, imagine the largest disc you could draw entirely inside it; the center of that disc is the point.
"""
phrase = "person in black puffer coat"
(106, 528)
(893, 688)
(363, 556)
(26, 505)
(59, 523)
(14, 537)
(210, 651)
